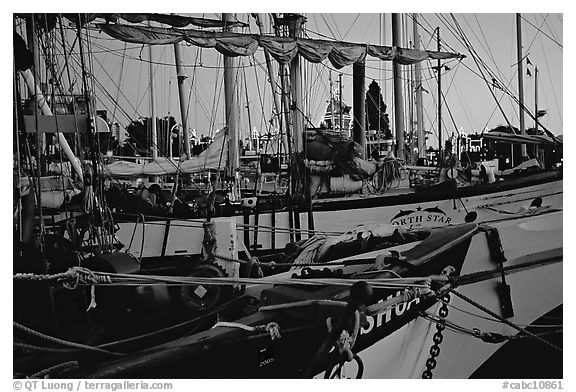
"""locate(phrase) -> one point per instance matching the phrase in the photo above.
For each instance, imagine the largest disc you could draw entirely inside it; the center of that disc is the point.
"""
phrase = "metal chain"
(437, 339)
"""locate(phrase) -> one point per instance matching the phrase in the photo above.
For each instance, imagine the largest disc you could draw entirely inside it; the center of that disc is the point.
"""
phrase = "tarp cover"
(213, 158)
(283, 49)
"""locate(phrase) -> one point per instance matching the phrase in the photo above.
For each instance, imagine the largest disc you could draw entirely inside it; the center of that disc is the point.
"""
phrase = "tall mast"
(340, 101)
(359, 105)
(398, 96)
(295, 29)
(272, 79)
(332, 123)
(181, 75)
(231, 107)
(520, 79)
(439, 68)
(152, 105)
(536, 99)
(418, 82)
(32, 37)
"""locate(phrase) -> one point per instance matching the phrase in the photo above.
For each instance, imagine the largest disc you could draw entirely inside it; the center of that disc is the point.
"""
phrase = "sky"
(121, 72)
(469, 105)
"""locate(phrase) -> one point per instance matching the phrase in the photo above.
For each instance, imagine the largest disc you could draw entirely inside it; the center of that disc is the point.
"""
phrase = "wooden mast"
(295, 29)
(231, 107)
(439, 68)
(398, 96)
(520, 81)
(181, 75)
(359, 105)
(418, 82)
(152, 103)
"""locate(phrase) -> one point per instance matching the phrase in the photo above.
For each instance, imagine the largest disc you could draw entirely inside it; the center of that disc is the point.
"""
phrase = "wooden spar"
(152, 105)
(358, 105)
(231, 107)
(398, 96)
(418, 82)
(520, 81)
(181, 75)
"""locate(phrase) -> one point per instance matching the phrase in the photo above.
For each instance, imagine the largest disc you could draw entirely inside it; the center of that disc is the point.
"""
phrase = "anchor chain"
(437, 339)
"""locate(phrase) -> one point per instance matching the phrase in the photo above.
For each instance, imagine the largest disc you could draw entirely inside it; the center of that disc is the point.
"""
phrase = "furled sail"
(283, 49)
(172, 20)
(213, 158)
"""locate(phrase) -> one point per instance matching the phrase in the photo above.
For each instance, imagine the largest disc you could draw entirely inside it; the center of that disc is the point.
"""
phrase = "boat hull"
(534, 293)
(165, 238)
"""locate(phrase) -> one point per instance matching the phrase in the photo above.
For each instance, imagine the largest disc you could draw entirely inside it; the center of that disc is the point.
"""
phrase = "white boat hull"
(184, 237)
(534, 292)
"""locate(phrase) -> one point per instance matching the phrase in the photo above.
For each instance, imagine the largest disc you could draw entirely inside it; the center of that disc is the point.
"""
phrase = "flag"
(421, 88)
(541, 113)
(528, 72)
(528, 61)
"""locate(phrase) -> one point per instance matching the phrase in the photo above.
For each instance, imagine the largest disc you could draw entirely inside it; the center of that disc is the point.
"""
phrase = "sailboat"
(286, 221)
(446, 302)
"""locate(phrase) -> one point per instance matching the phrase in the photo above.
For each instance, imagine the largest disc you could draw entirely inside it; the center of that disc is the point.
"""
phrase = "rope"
(272, 264)
(55, 368)
(502, 319)
(79, 275)
(488, 337)
(58, 341)
(271, 328)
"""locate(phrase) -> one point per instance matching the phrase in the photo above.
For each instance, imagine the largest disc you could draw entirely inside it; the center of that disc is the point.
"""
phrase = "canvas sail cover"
(213, 158)
(283, 49)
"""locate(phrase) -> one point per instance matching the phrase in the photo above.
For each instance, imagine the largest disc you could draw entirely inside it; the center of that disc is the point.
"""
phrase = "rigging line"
(119, 84)
(512, 78)
(260, 100)
(327, 25)
(487, 45)
(541, 31)
(527, 51)
(104, 89)
(336, 26)
(465, 107)
(351, 25)
(446, 44)
(66, 64)
(552, 84)
(480, 69)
